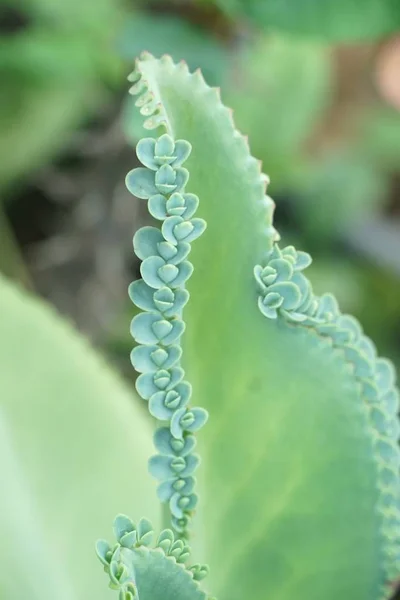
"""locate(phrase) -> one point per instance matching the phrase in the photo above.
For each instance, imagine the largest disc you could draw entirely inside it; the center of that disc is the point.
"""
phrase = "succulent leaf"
(142, 571)
(74, 444)
(308, 486)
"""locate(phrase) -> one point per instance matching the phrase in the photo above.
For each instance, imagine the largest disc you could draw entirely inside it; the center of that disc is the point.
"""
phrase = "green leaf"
(338, 20)
(158, 578)
(283, 91)
(290, 481)
(74, 450)
(341, 190)
(380, 138)
(52, 70)
(27, 137)
(138, 570)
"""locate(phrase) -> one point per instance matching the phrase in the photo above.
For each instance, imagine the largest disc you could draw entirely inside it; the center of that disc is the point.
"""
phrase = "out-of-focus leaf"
(342, 278)
(32, 130)
(42, 57)
(381, 138)
(382, 324)
(160, 34)
(52, 66)
(74, 449)
(281, 94)
(379, 240)
(340, 20)
(337, 191)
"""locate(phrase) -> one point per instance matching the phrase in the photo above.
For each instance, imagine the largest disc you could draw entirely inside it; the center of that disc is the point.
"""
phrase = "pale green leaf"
(289, 478)
(73, 451)
(137, 569)
(160, 578)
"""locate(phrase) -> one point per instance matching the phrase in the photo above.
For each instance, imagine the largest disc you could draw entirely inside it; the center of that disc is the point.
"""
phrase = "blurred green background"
(319, 100)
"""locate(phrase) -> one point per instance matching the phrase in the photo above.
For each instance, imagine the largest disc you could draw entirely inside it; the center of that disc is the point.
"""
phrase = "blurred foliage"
(279, 91)
(380, 138)
(338, 190)
(339, 20)
(54, 60)
(168, 34)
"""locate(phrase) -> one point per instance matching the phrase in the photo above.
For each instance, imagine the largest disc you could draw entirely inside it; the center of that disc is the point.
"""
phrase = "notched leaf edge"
(135, 559)
(284, 292)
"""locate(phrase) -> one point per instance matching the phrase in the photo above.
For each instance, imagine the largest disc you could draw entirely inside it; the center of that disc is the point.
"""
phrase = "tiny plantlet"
(297, 491)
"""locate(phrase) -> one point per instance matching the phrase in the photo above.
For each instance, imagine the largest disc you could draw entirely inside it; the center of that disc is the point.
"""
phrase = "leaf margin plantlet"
(134, 554)
(161, 293)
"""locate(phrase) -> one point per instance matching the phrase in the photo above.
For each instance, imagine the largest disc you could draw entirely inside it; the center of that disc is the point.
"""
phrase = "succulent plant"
(299, 480)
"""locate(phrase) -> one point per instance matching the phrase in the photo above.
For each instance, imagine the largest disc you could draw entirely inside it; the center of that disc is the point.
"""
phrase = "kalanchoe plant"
(299, 482)
(162, 295)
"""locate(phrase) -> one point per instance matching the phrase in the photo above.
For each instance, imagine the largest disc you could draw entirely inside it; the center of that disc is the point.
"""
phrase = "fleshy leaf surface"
(291, 485)
(137, 570)
(160, 578)
(73, 452)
